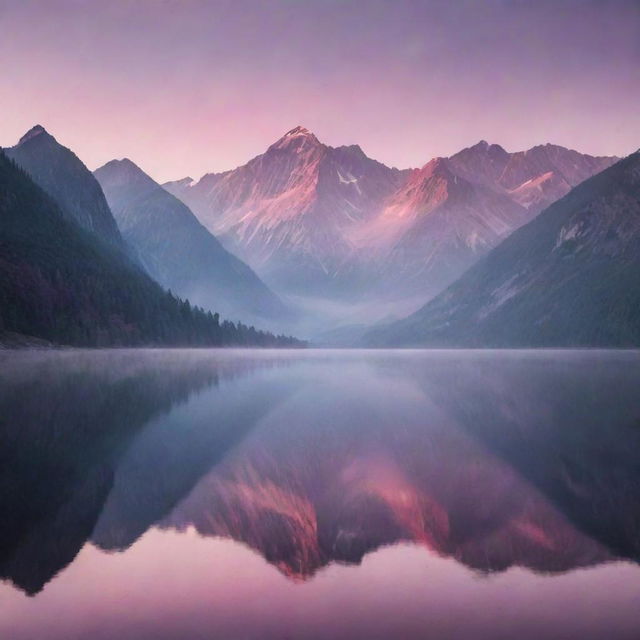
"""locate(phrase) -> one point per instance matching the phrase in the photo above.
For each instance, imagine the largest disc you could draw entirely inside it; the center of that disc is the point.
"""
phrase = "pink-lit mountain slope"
(433, 228)
(289, 211)
(322, 221)
(534, 178)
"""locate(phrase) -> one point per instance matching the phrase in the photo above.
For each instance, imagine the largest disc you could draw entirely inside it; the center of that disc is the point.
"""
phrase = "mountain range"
(287, 212)
(315, 220)
(568, 278)
(67, 274)
(177, 251)
(492, 248)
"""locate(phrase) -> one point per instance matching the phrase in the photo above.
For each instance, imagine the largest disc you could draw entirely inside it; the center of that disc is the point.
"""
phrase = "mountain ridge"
(285, 210)
(59, 171)
(311, 218)
(567, 278)
(178, 251)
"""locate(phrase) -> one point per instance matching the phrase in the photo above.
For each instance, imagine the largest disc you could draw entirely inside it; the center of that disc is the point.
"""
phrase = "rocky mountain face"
(534, 178)
(433, 228)
(317, 220)
(65, 178)
(452, 211)
(319, 224)
(568, 278)
(178, 252)
(289, 210)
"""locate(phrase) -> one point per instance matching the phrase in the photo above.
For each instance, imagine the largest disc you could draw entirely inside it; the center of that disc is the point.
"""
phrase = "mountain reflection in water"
(494, 460)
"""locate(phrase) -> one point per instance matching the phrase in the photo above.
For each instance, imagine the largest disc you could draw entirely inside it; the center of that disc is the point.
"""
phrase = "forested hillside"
(60, 283)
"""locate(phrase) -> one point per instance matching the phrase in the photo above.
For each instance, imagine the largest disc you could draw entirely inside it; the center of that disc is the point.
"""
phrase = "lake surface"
(319, 494)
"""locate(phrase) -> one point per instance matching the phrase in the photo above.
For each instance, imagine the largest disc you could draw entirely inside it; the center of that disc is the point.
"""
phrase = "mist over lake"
(319, 494)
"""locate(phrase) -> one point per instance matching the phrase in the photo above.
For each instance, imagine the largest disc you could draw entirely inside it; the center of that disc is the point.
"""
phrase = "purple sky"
(189, 86)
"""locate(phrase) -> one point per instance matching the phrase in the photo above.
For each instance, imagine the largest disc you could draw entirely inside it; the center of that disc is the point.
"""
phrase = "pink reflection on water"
(171, 585)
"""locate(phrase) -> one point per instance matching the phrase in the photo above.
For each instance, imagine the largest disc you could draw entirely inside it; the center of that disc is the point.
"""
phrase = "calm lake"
(226, 494)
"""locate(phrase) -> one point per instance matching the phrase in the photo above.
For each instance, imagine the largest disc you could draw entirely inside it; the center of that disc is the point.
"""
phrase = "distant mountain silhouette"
(178, 251)
(534, 178)
(287, 211)
(324, 221)
(569, 278)
(434, 227)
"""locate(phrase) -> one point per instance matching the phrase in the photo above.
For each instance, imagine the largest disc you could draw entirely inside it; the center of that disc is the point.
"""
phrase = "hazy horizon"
(192, 87)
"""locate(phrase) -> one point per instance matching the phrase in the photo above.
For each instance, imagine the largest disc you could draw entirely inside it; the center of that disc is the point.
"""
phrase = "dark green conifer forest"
(60, 283)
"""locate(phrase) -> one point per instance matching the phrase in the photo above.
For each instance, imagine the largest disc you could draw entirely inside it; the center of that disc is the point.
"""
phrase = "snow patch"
(349, 180)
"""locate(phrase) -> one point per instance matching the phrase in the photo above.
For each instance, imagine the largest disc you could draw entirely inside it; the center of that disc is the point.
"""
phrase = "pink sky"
(190, 86)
